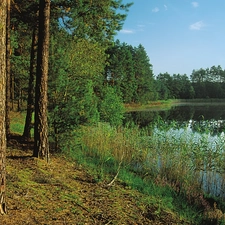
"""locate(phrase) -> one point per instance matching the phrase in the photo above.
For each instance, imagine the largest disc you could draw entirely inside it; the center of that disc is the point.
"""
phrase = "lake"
(184, 113)
(202, 124)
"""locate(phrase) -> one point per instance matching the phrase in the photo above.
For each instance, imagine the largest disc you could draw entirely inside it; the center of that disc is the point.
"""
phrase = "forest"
(91, 75)
(61, 65)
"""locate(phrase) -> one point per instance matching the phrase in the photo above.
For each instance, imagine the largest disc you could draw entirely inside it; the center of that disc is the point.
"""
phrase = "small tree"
(111, 108)
(72, 95)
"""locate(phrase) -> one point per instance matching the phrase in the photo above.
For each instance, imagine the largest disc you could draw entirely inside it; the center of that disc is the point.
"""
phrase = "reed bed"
(177, 158)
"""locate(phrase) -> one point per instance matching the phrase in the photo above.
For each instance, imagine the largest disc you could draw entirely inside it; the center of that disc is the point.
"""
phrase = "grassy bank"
(167, 104)
(162, 104)
(152, 174)
(135, 156)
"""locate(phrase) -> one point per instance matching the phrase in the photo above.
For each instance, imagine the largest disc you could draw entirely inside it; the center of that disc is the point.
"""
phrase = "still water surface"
(195, 113)
(197, 121)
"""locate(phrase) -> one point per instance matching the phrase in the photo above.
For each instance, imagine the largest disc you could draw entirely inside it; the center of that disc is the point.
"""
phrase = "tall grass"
(186, 165)
(159, 155)
(102, 148)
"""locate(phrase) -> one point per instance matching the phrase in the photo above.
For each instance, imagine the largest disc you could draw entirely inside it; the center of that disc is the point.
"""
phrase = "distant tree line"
(129, 71)
(203, 83)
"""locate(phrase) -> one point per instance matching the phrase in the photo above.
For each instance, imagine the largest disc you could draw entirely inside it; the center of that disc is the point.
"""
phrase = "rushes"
(108, 142)
(181, 158)
(165, 163)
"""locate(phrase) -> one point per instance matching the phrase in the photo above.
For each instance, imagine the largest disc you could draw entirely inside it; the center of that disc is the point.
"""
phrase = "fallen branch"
(118, 170)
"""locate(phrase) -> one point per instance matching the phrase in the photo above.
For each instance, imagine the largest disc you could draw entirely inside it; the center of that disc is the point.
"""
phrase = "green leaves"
(93, 20)
(75, 70)
(111, 107)
(130, 71)
(86, 59)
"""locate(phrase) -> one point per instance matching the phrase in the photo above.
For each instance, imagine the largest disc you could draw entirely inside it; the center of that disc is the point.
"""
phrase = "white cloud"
(165, 7)
(124, 31)
(197, 26)
(195, 4)
(155, 10)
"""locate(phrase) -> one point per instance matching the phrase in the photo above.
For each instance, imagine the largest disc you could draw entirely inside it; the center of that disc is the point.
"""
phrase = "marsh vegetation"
(182, 149)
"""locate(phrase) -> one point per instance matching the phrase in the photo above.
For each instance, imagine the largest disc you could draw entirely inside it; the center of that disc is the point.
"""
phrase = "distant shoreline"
(167, 104)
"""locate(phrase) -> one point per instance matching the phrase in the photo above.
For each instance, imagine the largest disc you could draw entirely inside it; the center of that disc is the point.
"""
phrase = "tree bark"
(3, 11)
(30, 98)
(8, 76)
(41, 148)
(12, 91)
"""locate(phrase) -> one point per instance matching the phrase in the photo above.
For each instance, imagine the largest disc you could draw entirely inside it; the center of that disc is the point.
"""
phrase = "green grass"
(161, 196)
(17, 120)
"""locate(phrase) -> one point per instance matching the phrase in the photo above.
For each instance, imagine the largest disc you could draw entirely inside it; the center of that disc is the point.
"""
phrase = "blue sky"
(178, 35)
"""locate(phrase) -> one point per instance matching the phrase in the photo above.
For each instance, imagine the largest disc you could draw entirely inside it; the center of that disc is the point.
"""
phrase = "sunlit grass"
(161, 104)
(17, 121)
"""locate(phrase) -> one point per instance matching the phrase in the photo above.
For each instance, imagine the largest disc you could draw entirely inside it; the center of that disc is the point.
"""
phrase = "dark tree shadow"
(16, 141)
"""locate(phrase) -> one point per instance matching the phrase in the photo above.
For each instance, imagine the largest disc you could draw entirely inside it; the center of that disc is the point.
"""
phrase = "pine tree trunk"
(12, 91)
(41, 148)
(19, 102)
(30, 99)
(8, 77)
(3, 5)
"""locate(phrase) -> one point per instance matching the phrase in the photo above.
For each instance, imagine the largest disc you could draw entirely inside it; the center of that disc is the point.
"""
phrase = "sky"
(179, 36)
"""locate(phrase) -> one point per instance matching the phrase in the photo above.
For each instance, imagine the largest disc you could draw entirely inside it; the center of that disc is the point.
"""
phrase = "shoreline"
(167, 104)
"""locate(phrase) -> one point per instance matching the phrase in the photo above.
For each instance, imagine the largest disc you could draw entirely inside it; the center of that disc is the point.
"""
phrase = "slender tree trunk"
(8, 77)
(3, 12)
(30, 99)
(19, 96)
(12, 91)
(41, 148)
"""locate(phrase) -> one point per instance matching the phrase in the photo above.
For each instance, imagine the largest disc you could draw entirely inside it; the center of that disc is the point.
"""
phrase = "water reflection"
(209, 117)
(200, 125)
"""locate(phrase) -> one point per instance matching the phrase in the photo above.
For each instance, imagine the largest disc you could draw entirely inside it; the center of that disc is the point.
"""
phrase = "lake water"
(186, 113)
(195, 121)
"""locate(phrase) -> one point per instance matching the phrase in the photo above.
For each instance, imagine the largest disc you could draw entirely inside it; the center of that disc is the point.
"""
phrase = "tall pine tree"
(3, 12)
(41, 148)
